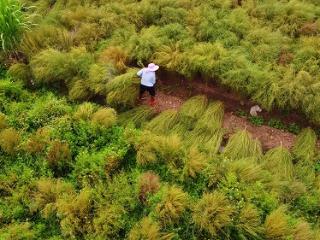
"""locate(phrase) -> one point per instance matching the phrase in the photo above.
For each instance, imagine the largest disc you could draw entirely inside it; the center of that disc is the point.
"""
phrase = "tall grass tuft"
(149, 183)
(138, 116)
(241, 145)
(163, 123)
(279, 162)
(105, 117)
(12, 24)
(172, 206)
(276, 225)
(195, 162)
(303, 231)
(84, 111)
(9, 140)
(20, 71)
(304, 148)
(213, 213)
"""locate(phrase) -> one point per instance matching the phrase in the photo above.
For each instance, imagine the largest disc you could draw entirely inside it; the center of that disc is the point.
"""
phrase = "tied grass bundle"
(138, 116)
(279, 162)
(213, 212)
(211, 120)
(123, 90)
(192, 110)
(163, 123)
(304, 148)
(241, 145)
(276, 225)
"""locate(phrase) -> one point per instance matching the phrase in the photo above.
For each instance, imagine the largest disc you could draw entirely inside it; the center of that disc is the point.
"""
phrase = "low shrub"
(59, 157)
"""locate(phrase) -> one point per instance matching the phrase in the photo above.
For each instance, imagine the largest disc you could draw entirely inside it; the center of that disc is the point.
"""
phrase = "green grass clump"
(123, 90)
(105, 117)
(138, 116)
(241, 145)
(163, 123)
(213, 213)
(304, 148)
(279, 162)
(84, 111)
(3, 121)
(195, 162)
(21, 72)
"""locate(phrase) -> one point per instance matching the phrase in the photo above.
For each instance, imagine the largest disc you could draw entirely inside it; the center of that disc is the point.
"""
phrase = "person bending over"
(148, 81)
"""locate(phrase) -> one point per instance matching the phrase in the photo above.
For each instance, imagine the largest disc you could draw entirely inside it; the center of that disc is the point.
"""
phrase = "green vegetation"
(80, 160)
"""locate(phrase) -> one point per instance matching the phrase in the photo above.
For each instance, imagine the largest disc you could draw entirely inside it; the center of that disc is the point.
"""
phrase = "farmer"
(148, 80)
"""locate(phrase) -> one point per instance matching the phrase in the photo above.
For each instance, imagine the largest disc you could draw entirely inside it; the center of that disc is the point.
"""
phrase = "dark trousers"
(150, 90)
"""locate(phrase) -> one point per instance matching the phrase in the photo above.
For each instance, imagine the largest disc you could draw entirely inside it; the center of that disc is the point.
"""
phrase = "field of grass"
(75, 169)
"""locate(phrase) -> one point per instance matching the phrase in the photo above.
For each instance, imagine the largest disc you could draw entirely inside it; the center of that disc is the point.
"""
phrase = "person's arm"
(140, 73)
(153, 79)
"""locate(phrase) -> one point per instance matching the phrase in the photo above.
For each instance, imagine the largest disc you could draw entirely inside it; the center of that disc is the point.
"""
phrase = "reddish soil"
(171, 95)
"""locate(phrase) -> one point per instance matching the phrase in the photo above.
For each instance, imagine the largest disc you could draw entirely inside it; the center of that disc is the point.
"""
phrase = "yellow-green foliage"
(46, 36)
(9, 140)
(51, 65)
(170, 149)
(247, 170)
(304, 148)
(213, 212)
(84, 111)
(138, 116)
(241, 145)
(163, 123)
(47, 193)
(122, 91)
(18, 231)
(20, 71)
(78, 90)
(305, 172)
(276, 225)
(3, 121)
(147, 229)
(195, 162)
(279, 162)
(116, 55)
(58, 155)
(211, 120)
(192, 110)
(249, 222)
(149, 183)
(108, 222)
(105, 117)
(75, 211)
(303, 231)
(99, 75)
(172, 205)
(38, 141)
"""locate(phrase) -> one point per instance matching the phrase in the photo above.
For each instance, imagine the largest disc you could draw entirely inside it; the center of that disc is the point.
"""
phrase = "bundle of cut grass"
(170, 149)
(138, 116)
(241, 145)
(279, 162)
(9, 140)
(3, 121)
(249, 221)
(172, 205)
(213, 213)
(122, 91)
(195, 162)
(84, 111)
(20, 71)
(192, 110)
(163, 123)
(304, 148)
(247, 170)
(211, 120)
(276, 225)
(148, 229)
(105, 117)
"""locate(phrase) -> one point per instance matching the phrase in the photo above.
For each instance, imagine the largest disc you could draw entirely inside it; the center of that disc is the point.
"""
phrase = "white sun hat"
(152, 67)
